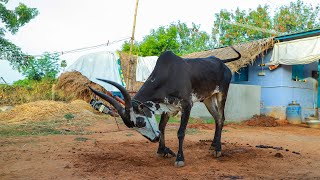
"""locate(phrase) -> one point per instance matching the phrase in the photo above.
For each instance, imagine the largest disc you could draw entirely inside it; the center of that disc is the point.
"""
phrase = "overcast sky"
(70, 24)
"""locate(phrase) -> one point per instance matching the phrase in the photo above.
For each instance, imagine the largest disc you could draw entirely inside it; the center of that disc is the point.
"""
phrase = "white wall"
(243, 102)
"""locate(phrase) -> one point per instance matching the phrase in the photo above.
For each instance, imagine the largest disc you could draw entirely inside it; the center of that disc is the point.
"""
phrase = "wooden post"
(131, 60)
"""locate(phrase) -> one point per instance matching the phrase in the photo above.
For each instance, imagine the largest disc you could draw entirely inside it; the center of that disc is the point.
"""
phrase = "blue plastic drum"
(293, 113)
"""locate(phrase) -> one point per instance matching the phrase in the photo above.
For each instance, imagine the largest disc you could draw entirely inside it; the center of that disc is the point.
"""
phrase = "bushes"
(26, 90)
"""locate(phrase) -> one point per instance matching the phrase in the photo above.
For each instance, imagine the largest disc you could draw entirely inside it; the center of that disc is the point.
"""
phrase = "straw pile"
(75, 86)
(45, 110)
(249, 52)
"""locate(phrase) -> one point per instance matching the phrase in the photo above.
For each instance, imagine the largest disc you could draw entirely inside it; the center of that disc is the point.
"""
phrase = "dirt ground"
(120, 153)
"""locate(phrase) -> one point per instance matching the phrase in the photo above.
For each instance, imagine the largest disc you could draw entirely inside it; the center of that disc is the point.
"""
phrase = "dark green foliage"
(11, 21)
(68, 116)
(297, 17)
(294, 17)
(227, 32)
(177, 37)
(46, 66)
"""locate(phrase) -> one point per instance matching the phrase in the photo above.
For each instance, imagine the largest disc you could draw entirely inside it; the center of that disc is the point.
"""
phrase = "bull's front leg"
(186, 108)
(163, 150)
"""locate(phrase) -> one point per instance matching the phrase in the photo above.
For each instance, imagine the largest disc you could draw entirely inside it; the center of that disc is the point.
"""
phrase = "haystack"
(249, 53)
(45, 110)
(75, 86)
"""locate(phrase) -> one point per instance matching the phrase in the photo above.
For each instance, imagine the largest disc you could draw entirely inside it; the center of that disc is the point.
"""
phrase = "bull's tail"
(232, 59)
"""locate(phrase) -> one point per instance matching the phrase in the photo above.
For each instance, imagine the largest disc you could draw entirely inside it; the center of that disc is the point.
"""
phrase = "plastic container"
(293, 113)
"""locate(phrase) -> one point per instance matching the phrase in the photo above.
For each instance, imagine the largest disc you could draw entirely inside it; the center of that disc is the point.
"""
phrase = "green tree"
(242, 26)
(46, 66)
(297, 17)
(11, 21)
(177, 37)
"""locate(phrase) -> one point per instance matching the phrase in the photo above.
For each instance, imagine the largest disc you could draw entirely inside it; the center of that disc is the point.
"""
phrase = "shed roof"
(299, 35)
(249, 52)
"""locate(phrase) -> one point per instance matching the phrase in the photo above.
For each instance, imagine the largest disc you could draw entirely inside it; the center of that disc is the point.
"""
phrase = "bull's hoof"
(179, 164)
(217, 154)
(166, 153)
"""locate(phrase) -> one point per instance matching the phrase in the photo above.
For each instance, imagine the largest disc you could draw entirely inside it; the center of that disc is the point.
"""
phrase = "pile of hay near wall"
(74, 85)
(249, 52)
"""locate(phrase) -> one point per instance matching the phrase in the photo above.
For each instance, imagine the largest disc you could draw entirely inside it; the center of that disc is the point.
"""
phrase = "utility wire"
(94, 47)
(75, 50)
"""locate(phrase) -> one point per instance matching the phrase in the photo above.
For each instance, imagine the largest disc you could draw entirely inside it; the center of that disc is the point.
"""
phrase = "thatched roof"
(249, 52)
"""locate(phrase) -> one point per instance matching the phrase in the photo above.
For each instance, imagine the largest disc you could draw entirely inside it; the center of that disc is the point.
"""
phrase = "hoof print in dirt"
(179, 164)
(278, 155)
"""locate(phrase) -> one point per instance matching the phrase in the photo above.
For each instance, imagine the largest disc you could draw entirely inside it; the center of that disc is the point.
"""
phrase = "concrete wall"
(243, 102)
(278, 89)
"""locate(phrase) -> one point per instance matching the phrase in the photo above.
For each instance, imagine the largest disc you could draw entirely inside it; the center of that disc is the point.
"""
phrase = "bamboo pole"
(131, 63)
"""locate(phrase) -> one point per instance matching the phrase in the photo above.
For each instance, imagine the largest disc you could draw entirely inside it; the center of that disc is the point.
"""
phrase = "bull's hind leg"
(163, 150)
(215, 106)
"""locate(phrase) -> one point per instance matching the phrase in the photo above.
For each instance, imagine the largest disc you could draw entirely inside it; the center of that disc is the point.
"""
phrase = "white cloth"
(300, 51)
(103, 65)
(145, 66)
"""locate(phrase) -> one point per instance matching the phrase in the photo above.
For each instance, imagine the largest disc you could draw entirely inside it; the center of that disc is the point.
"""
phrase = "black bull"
(173, 86)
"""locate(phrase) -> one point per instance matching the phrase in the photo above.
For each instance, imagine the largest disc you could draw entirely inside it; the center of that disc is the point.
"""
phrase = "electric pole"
(131, 59)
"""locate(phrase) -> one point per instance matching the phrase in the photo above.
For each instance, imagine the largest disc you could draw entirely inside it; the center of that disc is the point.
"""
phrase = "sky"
(64, 25)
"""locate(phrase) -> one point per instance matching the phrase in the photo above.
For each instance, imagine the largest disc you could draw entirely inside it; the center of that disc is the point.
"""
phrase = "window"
(297, 72)
(242, 75)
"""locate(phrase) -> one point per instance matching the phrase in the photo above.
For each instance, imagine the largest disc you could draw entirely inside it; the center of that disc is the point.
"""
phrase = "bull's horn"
(127, 98)
(124, 115)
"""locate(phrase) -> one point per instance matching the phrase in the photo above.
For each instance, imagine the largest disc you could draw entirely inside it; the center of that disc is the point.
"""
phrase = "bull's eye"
(140, 107)
(140, 122)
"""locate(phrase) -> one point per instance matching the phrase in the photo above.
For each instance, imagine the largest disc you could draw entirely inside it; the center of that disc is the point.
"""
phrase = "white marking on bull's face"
(147, 126)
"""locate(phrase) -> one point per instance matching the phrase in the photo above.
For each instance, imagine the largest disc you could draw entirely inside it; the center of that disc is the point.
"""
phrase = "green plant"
(68, 116)
(177, 37)
(209, 121)
(83, 139)
(11, 21)
(233, 27)
(46, 66)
